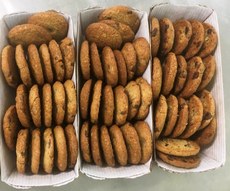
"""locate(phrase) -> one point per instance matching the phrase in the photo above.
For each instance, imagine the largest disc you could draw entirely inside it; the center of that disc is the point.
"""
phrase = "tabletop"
(158, 179)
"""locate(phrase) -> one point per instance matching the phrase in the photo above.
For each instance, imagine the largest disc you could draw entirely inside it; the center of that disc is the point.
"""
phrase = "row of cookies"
(183, 37)
(116, 146)
(38, 149)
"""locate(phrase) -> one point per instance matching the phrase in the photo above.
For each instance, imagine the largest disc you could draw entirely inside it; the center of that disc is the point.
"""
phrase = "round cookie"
(57, 60)
(106, 146)
(9, 68)
(71, 101)
(48, 151)
(23, 66)
(121, 105)
(156, 78)
(47, 105)
(155, 36)
(22, 150)
(22, 106)
(35, 64)
(72, 145)
(110, 66)
(46, 63)
(145, 137)
(60, 148)
(59, 103)
(85, 60)
(119, 146)
(10, 127)
(35, 151)
(95, 104)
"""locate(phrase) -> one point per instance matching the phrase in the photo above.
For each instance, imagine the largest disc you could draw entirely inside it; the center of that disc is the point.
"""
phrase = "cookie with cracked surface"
(47, 105)
(156, 78)
(35, 150)
(85, 60)
(155, 36)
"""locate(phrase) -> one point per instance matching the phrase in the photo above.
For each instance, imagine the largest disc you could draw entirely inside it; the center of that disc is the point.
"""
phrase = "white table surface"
(157, 180)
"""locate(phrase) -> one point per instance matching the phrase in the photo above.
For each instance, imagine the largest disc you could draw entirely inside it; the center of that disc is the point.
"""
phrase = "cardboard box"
(9, 173)
(214, 156)
(86, 17)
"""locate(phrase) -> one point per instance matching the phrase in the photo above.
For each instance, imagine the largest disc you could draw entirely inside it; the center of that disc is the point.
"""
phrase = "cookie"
(85, 60)
(121, 105)
(183, 33)
(132, 143)
(35, 64)
(177, 147)
(169, 73)
(10, 127)
(145, 137)
(60, 148)
(35, 151)
(142, 49)
(196, 40)
(195, 115)
(160, 115)
(9, 68)
(71, 101)
(22, 150)
(96, 62)
(85, 142)
(23, 66)
(106, 146)
(195, 70)
(132, 90)
(166, 36)
(35, 105)
(48, 151)
(110, 66)
(46, 63)
(156, 78)
(72, 145)
(85, 99)
(130, 57)
(47, 105)
(155, 36)
(59, 103)
(118, 143)
(146, 98)
(210, 69)
(22, 106)
(182, 120)
(95, 104)
(57, 60)
(68, 54)
(171, 118)
(180, 162)
(210, 40)
(121, 67)
(181, 75)
(95, 145)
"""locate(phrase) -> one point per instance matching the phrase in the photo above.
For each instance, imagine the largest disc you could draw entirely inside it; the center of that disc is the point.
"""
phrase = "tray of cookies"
(187, 84)
(39, 139)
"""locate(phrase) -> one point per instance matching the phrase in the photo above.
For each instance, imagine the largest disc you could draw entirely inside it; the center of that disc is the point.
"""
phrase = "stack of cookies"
(115, 99)
(182, 69)
(39, 64)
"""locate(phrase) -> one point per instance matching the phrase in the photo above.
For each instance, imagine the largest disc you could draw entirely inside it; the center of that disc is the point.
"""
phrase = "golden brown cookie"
(71, 101)
(119, 146)
(155, 36)
(23, 66)
(85, 60)
(145, 137)
(110, 66)
(22, 150)
(35, 64)
(47, 105)
(106, 146)
(59, 103)
(156, 78)
(22, 106)
(35, 105)
(72, 145)
(96, 100)
(57, 60)
(35, 151)
(177, 147)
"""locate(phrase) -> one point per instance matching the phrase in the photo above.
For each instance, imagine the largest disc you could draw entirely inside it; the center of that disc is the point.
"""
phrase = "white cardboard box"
(86, 17)
(214, 156)
(9, 173)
